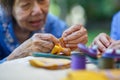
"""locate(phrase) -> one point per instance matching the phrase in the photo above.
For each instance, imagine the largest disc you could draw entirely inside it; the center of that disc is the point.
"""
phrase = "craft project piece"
(60, 49)
(51, 64)
(91, 52)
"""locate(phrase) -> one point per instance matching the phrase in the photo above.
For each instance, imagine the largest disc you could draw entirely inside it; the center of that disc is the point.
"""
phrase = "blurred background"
(95, 15)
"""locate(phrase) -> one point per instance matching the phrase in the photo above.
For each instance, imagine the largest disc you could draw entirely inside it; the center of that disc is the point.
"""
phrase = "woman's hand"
(103, 41)
(74, 35)
(115, 45)
(43, 42)
(39, 42)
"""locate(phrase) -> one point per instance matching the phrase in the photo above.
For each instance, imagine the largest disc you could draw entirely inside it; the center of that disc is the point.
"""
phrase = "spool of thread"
(106, 63)
(107, 60)
(117, 59)
(78, 61)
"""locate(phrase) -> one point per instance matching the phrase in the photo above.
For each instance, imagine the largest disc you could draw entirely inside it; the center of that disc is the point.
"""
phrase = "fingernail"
(64, 39)
(108, 44)
(64, 35)
(67, 45)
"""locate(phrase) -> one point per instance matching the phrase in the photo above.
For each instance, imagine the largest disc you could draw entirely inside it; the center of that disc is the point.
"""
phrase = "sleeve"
(3, 60)
(115, 27)
(3, 51)
(2, 56)
(55, 26)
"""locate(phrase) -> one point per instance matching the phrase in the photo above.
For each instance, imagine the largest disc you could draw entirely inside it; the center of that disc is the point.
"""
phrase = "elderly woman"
(22, 27)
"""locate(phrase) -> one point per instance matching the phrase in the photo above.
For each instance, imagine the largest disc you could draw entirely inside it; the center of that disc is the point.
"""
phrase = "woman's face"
(30, 14)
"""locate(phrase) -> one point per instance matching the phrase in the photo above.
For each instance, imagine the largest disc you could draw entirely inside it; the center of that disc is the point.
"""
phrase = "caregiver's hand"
(103, 41)
(115, 45)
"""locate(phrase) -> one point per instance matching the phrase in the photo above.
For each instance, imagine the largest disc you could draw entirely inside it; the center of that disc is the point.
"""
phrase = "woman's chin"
(36, 28)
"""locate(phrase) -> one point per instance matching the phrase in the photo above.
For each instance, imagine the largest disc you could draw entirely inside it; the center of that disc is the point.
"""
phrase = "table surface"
(20, 69)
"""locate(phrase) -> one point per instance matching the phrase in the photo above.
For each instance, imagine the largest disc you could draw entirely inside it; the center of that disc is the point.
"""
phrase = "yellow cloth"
(57, 49)
(61, 48)
(49, 63)
(94, 75)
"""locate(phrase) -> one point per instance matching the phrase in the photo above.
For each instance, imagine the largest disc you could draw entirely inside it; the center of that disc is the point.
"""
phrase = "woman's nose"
(36, 9)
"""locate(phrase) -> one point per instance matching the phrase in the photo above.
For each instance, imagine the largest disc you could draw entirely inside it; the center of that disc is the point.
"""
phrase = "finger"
(46, 44)
(115, 45)
(71, 45)
(71, 30)
(50, 37)
(40, 49)
(72, 49)
(100, 45)
(92, 44)
(79, 40)
(84, 41)
(47, 37)
(109, 39)
(66, 51)
(112, 40)
(75, 35)
(105, 41)
(99, 53)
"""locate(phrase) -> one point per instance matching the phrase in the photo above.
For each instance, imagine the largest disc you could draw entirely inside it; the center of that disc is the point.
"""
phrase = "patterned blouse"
(8, 40)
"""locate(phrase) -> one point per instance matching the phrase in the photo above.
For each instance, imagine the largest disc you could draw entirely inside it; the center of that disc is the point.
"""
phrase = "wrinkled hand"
(115, 45)
(43, 42)
(39, 42)
(74, 35)
(103, 41)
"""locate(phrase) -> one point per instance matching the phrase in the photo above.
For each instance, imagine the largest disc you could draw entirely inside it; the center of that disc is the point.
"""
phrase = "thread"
(106, 63)
(78, 61)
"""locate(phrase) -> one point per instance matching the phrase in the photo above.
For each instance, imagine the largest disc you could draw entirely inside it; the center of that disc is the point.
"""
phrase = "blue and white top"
(8, 40)
(115, 27)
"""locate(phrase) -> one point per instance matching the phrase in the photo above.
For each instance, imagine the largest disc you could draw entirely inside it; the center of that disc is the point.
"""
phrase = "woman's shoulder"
(4, 17)
(53, 19)
(117, 15)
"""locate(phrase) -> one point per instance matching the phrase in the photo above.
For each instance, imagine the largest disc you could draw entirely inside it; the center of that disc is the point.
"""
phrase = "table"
(20, 69)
